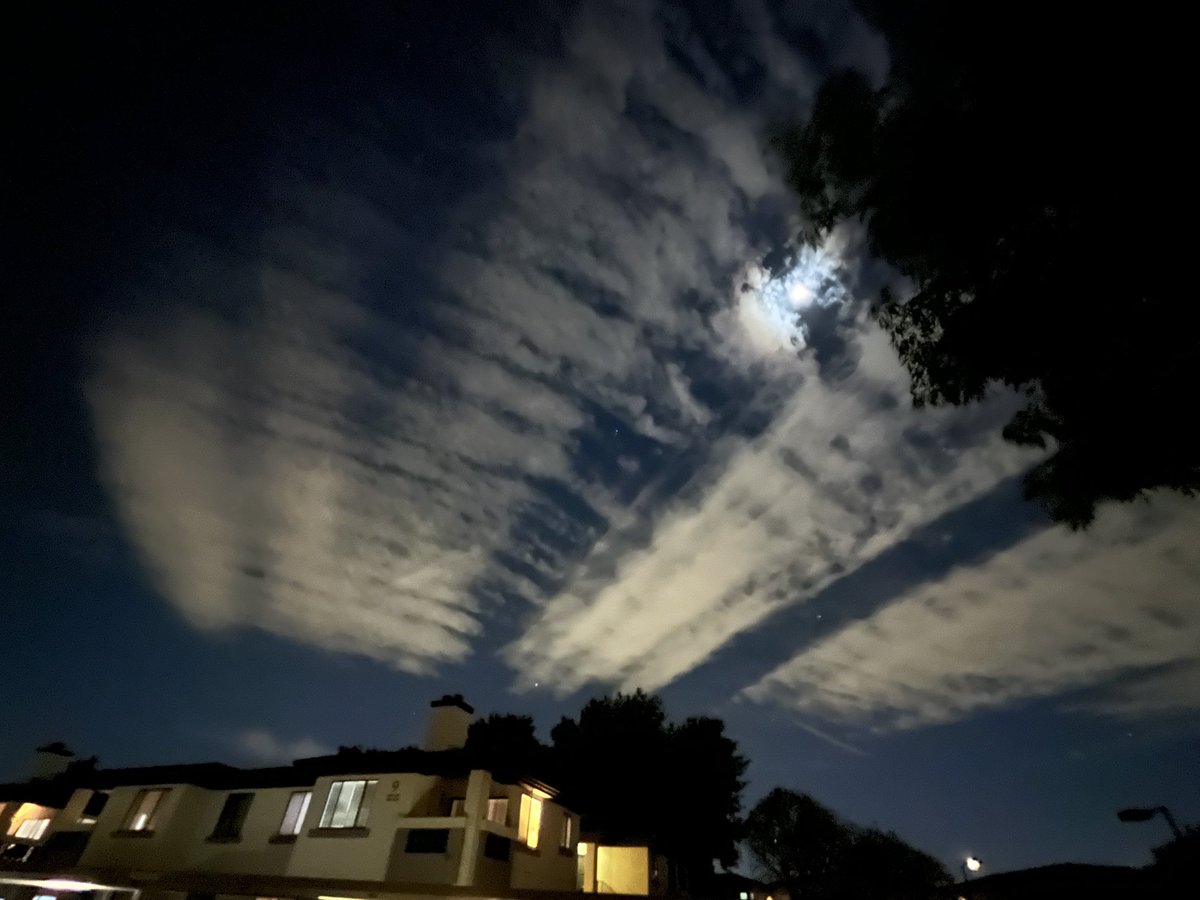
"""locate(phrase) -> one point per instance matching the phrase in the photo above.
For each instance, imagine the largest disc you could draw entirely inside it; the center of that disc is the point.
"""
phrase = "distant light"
(743, 896)
(581, 849)
(974, 863)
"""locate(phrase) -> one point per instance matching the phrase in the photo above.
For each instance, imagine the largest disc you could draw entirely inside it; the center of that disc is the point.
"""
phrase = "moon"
(773, 304)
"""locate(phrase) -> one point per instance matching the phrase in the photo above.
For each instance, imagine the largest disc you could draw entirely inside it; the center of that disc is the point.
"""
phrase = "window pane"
(497, 810)
(364, 803)
(348, 804)
(535, 822)
(297, 809)
(335, 791)
(233, 814)
(145, 805)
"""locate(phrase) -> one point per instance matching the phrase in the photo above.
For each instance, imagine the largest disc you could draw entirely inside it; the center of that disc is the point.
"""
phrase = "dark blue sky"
(358, 361)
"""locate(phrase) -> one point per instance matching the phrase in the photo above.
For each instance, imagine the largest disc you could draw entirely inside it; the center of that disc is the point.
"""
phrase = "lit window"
(348, 804)
(233, 814)
(567, 837)
(297, 809)
(497, 810)
(530, 824)
(32, 829)
(143, 812)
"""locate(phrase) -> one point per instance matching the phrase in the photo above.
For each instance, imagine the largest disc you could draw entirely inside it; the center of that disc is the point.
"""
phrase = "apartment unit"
(411, 823)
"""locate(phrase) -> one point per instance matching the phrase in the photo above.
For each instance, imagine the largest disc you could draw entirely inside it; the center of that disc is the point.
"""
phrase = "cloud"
(1112, 609)
(262, 745)
(547, 408)
(835, 480)
(374, 425)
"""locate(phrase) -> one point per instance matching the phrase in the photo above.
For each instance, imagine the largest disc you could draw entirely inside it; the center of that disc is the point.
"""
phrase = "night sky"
(352, 362)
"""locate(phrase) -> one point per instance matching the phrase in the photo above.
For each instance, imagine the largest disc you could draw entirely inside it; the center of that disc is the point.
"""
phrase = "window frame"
(131, 823)
(232, 817)
(497, 803)
(354, 814)
(301, 814)
(31, 829)
(566, 836)
(529, 823)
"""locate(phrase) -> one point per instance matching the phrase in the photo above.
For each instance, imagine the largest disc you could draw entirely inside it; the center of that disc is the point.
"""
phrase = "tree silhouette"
(1024, 186)
(637, 777)
(817, 856)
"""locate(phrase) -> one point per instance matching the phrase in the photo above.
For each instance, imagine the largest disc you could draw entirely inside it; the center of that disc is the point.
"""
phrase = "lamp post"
(1146, 813)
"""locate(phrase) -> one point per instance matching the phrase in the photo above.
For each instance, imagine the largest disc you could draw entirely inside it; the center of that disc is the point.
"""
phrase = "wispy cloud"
(568, 416)
(264, 746)
(322, 437)
(1059, 612)
(839, 477)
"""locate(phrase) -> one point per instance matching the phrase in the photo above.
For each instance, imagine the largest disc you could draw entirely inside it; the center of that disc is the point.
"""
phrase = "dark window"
(427, 840)
(233, 814)
(496, 846)
(95, 805)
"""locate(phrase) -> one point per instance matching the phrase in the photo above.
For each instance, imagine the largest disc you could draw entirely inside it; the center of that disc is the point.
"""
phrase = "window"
(32, 829)
(297, 809)
(93, 808)
(567, 837)
(348, 804)
(233, 814)
(530, 823)
(497, 810)
(427, 840)
(143, 812)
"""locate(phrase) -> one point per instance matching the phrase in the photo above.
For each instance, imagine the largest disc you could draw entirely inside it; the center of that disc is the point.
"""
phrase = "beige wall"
(548, 866)
(365, 854)
(254, 853)
(182, 819)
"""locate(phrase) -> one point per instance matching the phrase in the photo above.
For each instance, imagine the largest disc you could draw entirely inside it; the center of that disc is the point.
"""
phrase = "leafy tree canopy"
(1025, 174)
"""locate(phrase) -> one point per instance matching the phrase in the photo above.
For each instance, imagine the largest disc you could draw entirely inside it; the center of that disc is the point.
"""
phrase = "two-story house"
(360, 825)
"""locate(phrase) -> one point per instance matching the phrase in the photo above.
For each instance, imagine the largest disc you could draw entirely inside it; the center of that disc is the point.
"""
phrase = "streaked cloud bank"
(1112, 609)
(544, 414)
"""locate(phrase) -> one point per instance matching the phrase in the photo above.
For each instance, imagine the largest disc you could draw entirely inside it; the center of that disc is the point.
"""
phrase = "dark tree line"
(818, 856)
(636, 776)
(1024, 167)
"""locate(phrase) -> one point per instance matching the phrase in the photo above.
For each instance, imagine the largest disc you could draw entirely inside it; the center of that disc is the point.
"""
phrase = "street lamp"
(970, 864)
(1146, 813)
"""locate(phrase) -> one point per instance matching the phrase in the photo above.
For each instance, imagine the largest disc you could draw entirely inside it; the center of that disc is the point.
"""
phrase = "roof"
(52, 793)
(1059, 880)
(452, 763)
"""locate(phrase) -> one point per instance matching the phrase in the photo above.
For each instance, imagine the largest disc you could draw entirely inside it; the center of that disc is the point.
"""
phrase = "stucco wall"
(547, 867)
(254, 853)
(360, 853)
(180, 820)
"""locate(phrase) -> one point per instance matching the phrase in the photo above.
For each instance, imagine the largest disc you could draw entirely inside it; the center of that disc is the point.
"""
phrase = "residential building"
(419, 822)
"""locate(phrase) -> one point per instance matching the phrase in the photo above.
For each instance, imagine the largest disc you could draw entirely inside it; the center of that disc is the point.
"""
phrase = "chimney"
(448, 723)
(52, 760)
